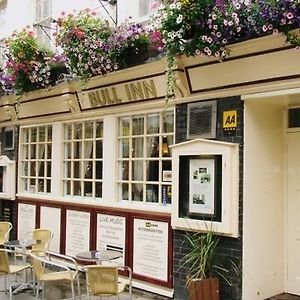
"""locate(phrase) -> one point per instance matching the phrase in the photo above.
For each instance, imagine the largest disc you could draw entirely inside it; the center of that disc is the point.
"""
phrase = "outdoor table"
(98, 256)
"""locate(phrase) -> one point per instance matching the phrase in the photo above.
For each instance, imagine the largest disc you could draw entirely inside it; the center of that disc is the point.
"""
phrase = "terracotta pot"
(204, 289)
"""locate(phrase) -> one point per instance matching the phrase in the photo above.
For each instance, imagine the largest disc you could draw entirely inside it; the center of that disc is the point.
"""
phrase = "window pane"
(77, 131)
(99, 169)
(137, 170)
(76, 165)
(88, 149)
(124, 191)
(49, 131)
(99, 149)
(144, 8)
(68, 150)
(98, 188)
(168, 123)
(138, 126)
(88, 170)
(77, 149)
(137, 192)
(125, 125)
(33, 134)
(33, 151)
(76, 188)
(151, 193)
(89, 128)
(68, 132)
(153, 123)
(41, 151)
(152, 146)
(124, 165)
(124, 148)
(67, 169)
(48, 169)
(138, 147)
(152, 168)
(42, 134)
(88, 189)
(99, 129)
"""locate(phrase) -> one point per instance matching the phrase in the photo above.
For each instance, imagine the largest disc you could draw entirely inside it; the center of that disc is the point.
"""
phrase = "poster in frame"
(200, 187)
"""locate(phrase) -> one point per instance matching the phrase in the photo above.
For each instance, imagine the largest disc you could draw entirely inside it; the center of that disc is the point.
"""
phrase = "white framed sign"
(77, 232)
(26, 219)
(150, 248)
(111, 234)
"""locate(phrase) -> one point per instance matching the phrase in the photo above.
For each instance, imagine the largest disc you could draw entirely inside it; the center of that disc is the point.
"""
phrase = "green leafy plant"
(202, 259)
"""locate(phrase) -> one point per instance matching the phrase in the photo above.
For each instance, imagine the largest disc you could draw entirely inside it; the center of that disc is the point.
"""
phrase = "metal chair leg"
(72, 289)
(78, 286)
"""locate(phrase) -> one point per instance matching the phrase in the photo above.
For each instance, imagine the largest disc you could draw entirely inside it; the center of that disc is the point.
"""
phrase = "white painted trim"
(230, 185)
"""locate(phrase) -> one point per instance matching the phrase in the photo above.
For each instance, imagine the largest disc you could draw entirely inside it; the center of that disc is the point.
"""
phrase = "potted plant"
(83, 39)
(204, 265)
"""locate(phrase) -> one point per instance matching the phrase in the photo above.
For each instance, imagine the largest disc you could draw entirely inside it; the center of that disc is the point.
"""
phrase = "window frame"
(26, 161)
(161, 198)
(72, 160)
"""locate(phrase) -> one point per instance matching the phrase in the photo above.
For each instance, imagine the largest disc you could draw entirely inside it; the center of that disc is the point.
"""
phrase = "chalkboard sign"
(7, 211)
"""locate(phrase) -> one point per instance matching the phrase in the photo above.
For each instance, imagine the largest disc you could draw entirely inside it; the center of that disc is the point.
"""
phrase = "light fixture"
(165, 147)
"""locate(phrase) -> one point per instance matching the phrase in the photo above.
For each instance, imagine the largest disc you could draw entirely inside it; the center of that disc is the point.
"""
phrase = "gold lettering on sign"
(141, 90)
(103, 97)
(134, 91)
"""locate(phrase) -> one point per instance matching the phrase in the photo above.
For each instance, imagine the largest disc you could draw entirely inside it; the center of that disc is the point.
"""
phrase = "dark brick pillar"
(228, 247)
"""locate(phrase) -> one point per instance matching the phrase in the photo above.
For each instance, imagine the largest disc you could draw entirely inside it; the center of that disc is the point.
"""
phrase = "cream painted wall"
(263, 227)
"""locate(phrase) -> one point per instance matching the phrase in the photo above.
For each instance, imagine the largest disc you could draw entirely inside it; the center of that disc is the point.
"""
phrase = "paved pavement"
(62, 291)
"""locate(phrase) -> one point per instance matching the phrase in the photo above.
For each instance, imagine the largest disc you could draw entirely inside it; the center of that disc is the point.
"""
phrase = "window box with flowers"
(93, 48)
(29, 66)
(207, 28)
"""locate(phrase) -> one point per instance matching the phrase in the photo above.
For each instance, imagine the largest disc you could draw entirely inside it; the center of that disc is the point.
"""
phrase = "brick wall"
(228, 247)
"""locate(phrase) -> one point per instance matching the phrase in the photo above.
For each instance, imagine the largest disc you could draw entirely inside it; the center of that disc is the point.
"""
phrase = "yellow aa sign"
(230, 119)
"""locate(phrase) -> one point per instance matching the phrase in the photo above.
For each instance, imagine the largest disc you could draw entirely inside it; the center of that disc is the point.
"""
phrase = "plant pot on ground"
(204, 266)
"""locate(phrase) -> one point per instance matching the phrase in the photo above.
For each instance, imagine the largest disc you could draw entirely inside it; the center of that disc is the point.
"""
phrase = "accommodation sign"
(123, 93)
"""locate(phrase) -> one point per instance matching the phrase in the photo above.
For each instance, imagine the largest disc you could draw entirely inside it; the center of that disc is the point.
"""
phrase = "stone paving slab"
(59, 290)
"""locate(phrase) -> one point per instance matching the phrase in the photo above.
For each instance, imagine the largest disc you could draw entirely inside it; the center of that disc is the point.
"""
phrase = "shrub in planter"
(204, 265)
(83, 39)
(28, 66)
(129, 44)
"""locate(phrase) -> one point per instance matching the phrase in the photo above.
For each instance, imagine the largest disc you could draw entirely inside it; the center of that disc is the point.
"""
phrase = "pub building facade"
(109, 164)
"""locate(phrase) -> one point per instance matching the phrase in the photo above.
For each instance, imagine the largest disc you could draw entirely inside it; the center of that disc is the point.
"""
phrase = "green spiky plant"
(202, 260)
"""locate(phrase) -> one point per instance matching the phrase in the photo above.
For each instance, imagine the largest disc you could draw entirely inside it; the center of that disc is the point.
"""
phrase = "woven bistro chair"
(42, 238)
(104, 281)
(54, 267)
(7, 269)
(5, 228)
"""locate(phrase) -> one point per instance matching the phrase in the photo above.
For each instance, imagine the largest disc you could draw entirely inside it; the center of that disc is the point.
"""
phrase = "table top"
(20, 243)
(99, 255)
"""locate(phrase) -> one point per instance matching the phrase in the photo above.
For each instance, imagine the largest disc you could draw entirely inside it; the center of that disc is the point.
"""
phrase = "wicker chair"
(104, 281)
(53, 267)
(7, 269)
(43, 238)
(5, 228)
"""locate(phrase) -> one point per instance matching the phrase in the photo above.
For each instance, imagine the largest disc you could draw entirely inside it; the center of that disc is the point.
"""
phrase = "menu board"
(7, 211)
(50, 219)
(150, 249)
(26, 219)
(111, 234)
(77, 232)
